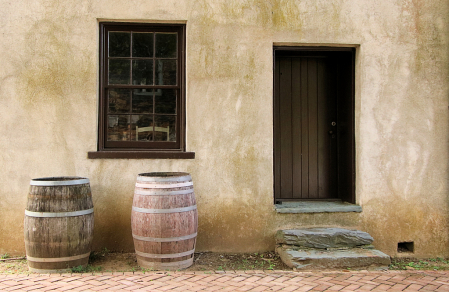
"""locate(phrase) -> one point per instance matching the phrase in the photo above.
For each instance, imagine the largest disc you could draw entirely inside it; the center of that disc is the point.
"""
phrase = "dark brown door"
(308, 98)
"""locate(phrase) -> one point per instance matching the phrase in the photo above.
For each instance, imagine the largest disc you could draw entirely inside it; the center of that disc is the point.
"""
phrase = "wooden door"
(308, 87)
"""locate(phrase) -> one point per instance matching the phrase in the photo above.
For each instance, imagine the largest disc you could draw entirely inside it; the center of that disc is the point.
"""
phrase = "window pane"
(119, 101)
(142, 127)
(143, 72)
(119, 44)
(165, 129)
(118, 128)
(143, 101)
(166, 45)
(142, 44)
(165, 101)
(119, 71)
(166, 72)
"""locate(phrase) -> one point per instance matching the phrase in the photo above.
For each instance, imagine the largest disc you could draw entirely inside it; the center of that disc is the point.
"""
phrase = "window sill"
(139, 155)
(316, 207)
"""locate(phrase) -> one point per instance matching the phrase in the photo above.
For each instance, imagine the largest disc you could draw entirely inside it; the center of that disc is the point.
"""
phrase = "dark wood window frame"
(142, 149)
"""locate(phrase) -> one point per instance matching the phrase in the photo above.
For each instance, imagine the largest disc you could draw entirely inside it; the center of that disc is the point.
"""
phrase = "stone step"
(329, 248)
(323, 237)
(354, 258)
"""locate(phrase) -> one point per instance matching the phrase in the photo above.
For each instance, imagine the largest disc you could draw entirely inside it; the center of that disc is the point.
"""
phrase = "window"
(141, 89)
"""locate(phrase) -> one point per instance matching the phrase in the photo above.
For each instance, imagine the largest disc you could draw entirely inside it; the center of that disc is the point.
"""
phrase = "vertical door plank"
(313, 128)
(304, 129)
(346, 150)
(324, 127)
(333, 111)
(285, 121)
(296, 127)
(276, 130)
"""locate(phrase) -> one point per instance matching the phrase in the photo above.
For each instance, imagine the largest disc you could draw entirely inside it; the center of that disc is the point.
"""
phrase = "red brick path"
(231, 281)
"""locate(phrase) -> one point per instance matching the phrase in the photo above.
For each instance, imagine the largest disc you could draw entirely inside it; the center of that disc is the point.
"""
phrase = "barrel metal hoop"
(165, 256)
(167, 239)
(163, 186)
(142, 177)
(162, 193)
(59, 214)
(56, 260)
(164, 211)
(49, 182)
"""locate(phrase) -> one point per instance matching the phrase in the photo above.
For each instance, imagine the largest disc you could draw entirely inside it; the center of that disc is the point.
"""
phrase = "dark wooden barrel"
(164, 220)
(59, 224)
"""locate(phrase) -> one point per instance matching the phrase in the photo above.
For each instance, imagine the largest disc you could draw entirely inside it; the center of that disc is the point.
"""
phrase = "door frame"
(345, 56)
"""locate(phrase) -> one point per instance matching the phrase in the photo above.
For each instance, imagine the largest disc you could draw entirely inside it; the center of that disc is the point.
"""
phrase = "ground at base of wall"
(106, 261)
(205, 261)
(419, 264)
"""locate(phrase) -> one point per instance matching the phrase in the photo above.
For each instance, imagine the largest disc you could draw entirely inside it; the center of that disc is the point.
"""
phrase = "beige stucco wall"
(49, 102)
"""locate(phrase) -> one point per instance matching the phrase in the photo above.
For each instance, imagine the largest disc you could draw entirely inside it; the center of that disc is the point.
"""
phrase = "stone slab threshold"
(316, 207)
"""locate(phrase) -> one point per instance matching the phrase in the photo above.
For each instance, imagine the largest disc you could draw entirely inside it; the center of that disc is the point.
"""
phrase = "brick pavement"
(232, 281)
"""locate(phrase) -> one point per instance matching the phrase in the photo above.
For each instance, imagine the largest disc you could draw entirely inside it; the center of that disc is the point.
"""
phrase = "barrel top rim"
(164, 174)
(59, 181)
(164, 177)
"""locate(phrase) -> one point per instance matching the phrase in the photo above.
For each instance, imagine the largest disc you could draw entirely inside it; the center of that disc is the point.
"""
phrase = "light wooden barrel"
(164, 220)
(59, 224)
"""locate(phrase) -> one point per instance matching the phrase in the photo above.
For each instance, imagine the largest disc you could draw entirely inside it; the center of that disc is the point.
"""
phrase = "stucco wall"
(49, 102)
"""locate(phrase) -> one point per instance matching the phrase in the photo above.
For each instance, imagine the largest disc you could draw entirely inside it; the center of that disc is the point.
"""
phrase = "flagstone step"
(323, 237)
(329, 248)
(354, 258)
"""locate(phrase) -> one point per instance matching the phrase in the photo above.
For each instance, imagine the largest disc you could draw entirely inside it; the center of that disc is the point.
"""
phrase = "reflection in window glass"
(142, 101)
(119, 44)
(119, 71)
(165, 129)
(165, 101)
(118, 128)
(142, 44)
(143, 72)
(142, 127)
(166, 45)
(166, 72)
(119, 101)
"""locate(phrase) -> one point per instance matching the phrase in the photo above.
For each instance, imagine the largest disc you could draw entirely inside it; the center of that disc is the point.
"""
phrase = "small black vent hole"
(406, 246)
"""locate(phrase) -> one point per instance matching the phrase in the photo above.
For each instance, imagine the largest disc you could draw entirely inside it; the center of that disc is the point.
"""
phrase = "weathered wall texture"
(49, 101)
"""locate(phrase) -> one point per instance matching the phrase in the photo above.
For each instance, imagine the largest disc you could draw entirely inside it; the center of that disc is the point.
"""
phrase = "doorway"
(314, 124)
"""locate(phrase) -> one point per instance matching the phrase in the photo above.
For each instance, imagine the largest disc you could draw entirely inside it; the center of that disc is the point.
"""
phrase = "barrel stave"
(164, 202)
(165, 248)
(58, 236)
(59, 199)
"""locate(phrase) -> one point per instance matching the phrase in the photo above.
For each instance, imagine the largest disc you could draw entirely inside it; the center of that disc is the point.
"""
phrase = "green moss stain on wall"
(268, 14)
(55, 65)
(425, 22)
(413, 221)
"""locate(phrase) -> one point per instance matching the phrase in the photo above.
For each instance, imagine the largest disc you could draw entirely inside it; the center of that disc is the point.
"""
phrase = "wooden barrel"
(59, 224)
(164, 220)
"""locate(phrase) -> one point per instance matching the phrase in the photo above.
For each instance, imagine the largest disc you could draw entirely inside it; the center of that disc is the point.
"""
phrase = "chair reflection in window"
(150, 129)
